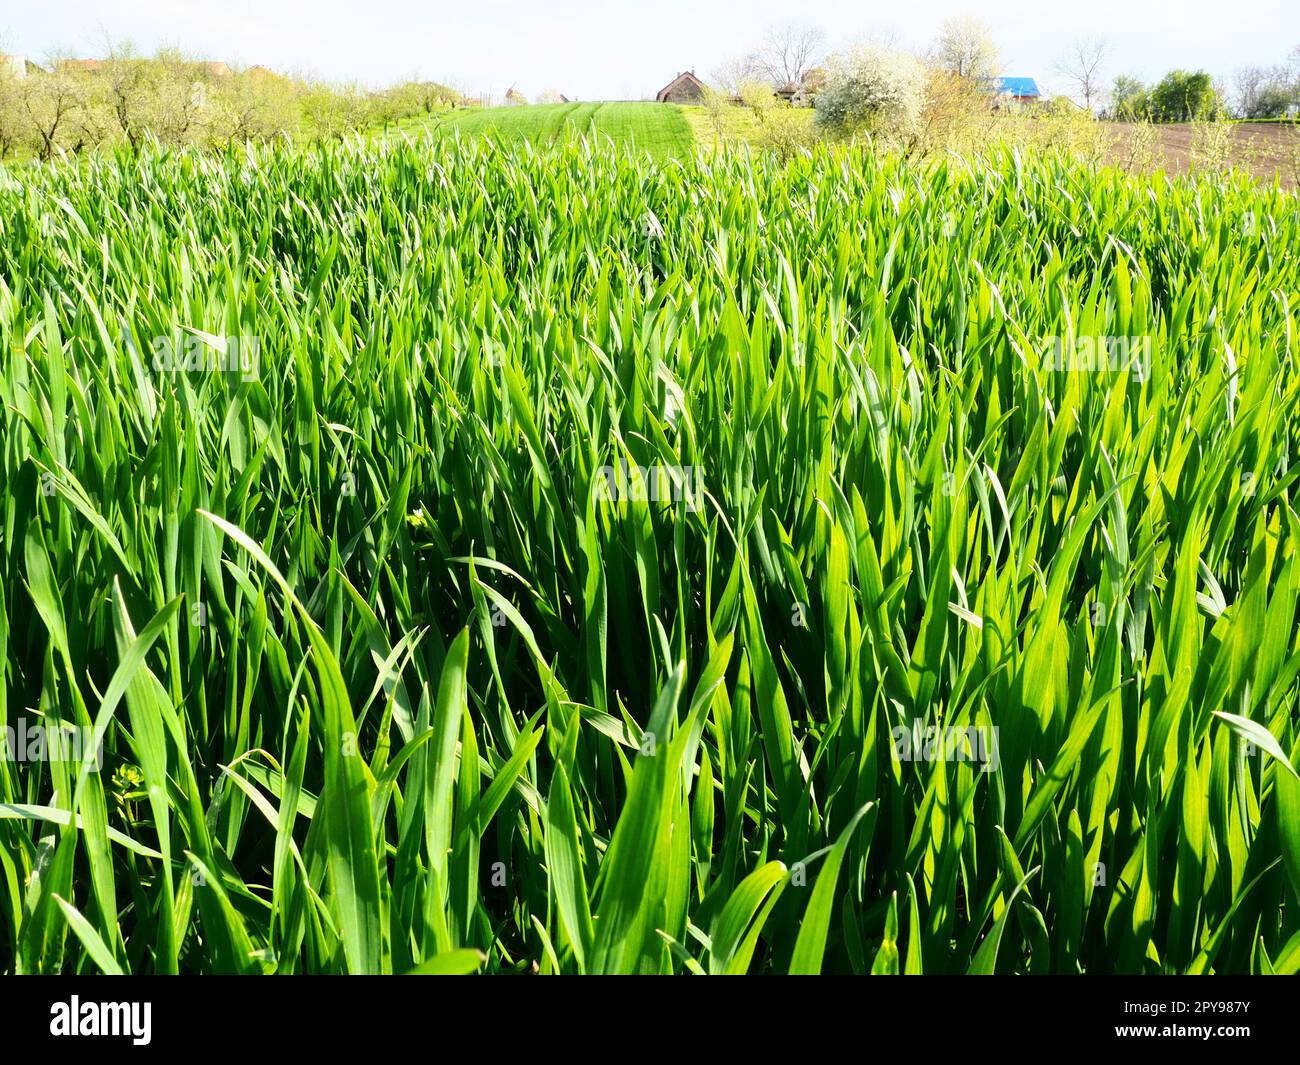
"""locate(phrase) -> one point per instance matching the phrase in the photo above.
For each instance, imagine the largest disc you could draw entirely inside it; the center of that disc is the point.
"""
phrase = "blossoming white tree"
(872, 88)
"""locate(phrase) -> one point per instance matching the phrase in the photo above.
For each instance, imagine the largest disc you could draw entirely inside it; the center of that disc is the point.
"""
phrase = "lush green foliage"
(385, 682)
(1180, 96)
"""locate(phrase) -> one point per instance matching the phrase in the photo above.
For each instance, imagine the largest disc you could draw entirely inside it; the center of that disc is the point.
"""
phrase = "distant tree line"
(1180, 96)
(75, 105)
(1269, 92)
(1184, 96)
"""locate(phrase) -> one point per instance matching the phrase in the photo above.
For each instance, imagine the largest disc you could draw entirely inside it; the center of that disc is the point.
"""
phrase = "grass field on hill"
(659, 129)
(455, 558)
(712, 129)
(1266, 150)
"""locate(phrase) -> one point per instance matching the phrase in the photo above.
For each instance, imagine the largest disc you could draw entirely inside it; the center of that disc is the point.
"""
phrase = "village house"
(212, 68)
(1013, 92)
(803, 94)
(18, 66)
(83, 66)
(686, 88)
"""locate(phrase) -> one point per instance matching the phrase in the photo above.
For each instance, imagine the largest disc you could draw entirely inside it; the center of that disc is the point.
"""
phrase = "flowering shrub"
(872, 89)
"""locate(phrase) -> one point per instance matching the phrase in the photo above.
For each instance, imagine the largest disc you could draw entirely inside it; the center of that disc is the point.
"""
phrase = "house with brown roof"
(210, 68)
(88, 66)
(810, 87)
(686, 88)
(263, 74)
(19, 66)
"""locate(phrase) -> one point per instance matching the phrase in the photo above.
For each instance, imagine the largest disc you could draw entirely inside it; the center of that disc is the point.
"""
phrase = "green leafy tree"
(1183, 96)
(1275, 100)
(1130, 101)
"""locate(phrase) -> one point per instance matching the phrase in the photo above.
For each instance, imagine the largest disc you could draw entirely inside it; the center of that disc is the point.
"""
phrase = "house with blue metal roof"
(1020, 89)
(1009, 92)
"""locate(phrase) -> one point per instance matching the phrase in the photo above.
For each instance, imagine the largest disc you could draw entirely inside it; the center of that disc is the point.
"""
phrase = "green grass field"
(659, 129)
(713, 129)
(584, 564)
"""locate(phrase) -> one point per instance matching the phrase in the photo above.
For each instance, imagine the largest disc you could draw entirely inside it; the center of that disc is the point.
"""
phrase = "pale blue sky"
(624, 50)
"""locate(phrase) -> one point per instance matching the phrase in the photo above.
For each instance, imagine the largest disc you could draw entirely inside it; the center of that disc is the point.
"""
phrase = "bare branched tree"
(787, 54)
(884, 35)
(966, 48)
(10, 100)
(1265, 92)
(128, 88)
(1249, 83)
(50, 104)
(176, 104)
(733, 75)
(1083, 65)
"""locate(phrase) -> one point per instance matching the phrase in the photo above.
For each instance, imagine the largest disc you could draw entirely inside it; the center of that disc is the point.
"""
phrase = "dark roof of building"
(686, 77)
